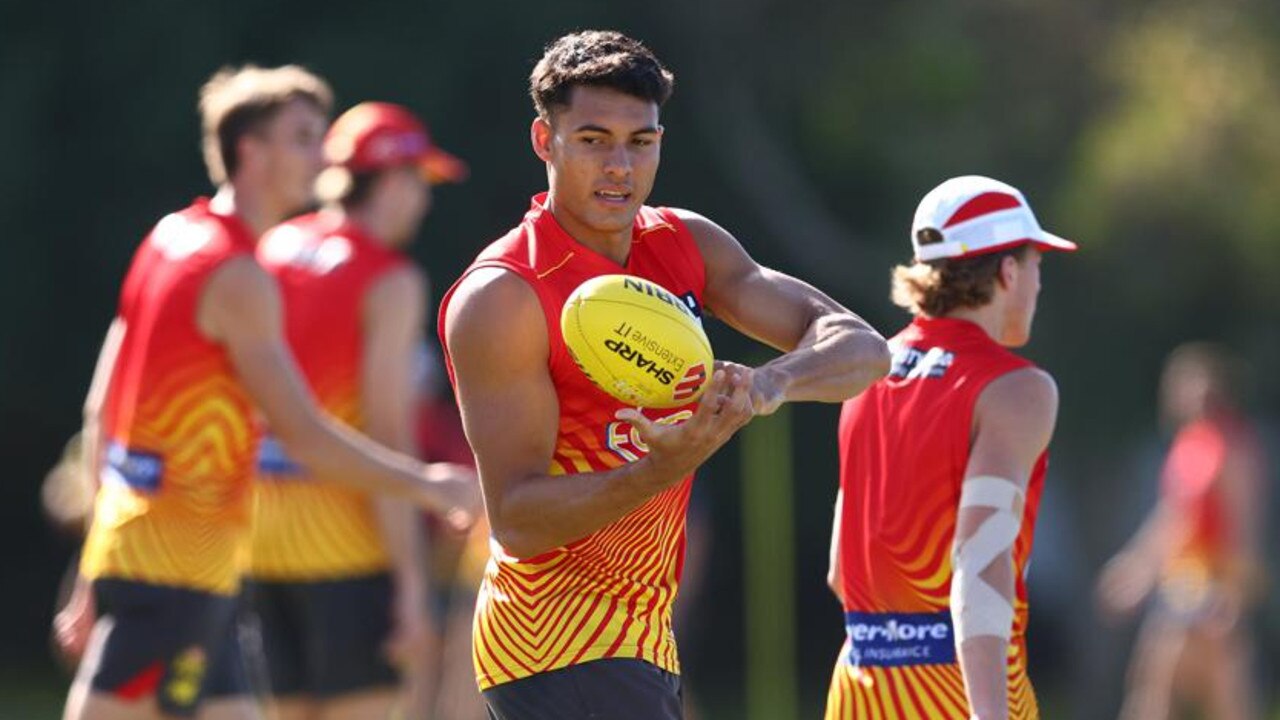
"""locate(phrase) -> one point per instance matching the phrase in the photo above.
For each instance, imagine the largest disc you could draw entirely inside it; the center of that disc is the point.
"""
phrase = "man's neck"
(253, 209)
(371, 222)
(614, 245)
(988, 317)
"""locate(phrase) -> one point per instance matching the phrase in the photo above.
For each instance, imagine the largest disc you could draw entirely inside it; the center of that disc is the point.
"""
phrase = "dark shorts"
(324, 639)
(180, 645)
(612, 689)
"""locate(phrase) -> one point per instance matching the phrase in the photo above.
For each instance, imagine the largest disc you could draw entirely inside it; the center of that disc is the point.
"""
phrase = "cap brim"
(440, 167)
(1049, 241)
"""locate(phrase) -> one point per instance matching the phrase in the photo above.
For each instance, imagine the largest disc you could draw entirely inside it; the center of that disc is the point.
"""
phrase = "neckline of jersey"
(544, 219)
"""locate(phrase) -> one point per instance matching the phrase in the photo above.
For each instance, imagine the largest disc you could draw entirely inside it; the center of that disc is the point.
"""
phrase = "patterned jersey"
(608, 594)
(173, 507)
(304, 529)
(904, 447)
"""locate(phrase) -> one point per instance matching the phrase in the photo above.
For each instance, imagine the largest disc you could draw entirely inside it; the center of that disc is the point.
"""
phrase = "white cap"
(974, 215)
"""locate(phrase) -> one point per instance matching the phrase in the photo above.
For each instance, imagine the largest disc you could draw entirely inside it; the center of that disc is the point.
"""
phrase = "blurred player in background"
(941, 469)
(586, 496)
(338, 575)
(1198, 552)
(195, 353)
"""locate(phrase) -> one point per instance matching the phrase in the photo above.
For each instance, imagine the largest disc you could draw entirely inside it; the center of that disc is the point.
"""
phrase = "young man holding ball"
(573, 619)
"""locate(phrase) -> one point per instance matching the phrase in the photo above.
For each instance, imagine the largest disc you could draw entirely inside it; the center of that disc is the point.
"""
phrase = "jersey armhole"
(557, 352)
(689, 248)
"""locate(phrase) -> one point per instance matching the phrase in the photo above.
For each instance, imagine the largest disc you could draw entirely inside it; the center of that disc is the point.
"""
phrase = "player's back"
(904, 447)
(178, 427)
(306, 529)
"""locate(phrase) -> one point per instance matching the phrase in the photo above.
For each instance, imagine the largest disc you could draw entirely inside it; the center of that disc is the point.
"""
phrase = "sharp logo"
(647, 364)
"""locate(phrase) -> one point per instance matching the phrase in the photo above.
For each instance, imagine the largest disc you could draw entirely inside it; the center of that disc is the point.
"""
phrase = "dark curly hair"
(936, 288)
(600, 58)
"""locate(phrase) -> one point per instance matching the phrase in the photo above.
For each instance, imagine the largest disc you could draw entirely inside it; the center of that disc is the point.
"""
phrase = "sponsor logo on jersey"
(292, 246)
(910, 363)
(139, 470)
(274, 461)
(176, 237)
(898, 639)
(691, 300)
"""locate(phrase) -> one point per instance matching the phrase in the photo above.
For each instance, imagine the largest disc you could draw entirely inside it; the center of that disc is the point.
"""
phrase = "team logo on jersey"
(910, 363)
(624, 440)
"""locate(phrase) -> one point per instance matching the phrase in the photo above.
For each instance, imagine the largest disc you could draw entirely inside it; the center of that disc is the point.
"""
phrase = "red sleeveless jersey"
(1191, 485)
(174, 503)
(904, 448)
(308, 530)
(608, 594)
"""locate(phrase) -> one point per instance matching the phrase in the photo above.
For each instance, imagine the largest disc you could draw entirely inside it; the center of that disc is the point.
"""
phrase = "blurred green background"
(1147, 131)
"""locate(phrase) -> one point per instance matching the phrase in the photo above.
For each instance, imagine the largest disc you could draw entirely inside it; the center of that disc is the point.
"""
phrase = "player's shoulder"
(494, 319)
(698, 224)
(195, 233)
(1025, 394)
(491, 293)
(400, 286)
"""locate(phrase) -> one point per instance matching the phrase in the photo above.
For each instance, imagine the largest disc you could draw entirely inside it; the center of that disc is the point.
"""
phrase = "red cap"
(376, 135)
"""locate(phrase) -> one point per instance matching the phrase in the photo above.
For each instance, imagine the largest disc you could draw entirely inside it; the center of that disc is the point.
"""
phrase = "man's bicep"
(759, 302)
(510, 410)
(241, 309)
(393, 317)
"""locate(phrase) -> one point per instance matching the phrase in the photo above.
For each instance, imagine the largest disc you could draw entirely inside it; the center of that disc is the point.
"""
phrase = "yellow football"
(637, 341)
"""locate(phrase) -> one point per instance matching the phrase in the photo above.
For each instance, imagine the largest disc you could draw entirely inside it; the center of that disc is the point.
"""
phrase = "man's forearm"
(335, 453)
(403, 538)
(540, 513)
(838, 357)
(983, 662)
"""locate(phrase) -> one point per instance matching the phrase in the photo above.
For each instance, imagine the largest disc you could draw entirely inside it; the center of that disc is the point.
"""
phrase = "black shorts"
(324, 639)
(180, 645)
(612, 689)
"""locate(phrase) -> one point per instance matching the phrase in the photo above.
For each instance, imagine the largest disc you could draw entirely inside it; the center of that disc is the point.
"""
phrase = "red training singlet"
(904, 448)
(608, 594)
(173, 507)
(307, 530)
(1191, 485)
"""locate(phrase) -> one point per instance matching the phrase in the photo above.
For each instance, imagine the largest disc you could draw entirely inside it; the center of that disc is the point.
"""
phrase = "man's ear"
(540, 134)
(1008, 271)
(248, 151)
